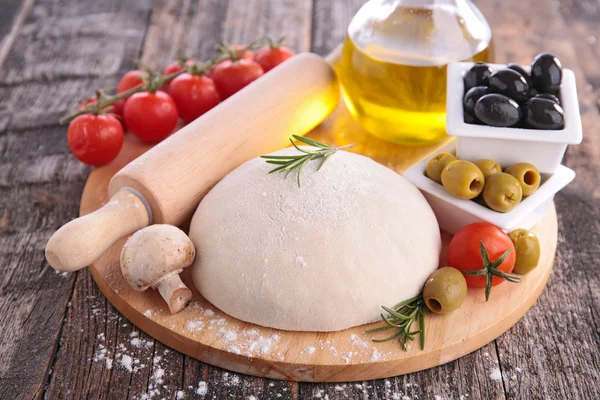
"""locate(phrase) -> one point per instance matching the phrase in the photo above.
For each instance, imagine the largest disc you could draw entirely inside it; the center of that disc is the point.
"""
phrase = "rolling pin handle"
(82, 241)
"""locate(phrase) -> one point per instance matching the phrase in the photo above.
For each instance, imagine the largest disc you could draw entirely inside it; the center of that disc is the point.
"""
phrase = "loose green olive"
(463, 179)
(502, 192)
(437, 164)
(528, 176)
(488, 167)
(527, 249)
(445, 290)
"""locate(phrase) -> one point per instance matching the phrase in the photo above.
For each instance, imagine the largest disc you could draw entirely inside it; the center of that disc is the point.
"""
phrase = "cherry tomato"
(95, 139)
(174, 67)
(116, 108)
(464, 251)
(194, 95)
(150, 116)
(130, 80)
(231, 76)
(270, 57)
(239, 54)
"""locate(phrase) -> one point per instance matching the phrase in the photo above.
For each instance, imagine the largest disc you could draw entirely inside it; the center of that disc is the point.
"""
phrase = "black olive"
(471, 98)
(544, 114)
(509, 83)
(478, 75)
(470, 119)
(546, 73)
(524, 74)
(548, 96)
(497, 110)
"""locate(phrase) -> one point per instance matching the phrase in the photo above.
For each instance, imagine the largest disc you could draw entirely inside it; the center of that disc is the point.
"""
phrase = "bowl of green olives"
(511, 113)
(464, 191)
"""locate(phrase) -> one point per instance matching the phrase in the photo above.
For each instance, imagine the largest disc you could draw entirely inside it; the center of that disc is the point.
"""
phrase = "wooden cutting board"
(207, 334)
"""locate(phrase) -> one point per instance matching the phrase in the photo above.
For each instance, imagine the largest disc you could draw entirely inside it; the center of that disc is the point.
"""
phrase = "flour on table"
(194, 325)
(202, 388)
(126, 362)
(495, 375)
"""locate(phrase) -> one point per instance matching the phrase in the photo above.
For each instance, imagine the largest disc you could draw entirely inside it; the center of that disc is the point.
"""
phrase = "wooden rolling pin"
(166, 184)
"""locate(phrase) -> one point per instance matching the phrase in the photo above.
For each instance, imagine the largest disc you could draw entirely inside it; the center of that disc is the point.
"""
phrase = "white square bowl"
(542, 148)
(453, 213)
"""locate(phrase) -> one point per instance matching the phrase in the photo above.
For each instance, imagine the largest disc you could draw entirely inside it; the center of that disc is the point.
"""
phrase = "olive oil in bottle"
(394, 62)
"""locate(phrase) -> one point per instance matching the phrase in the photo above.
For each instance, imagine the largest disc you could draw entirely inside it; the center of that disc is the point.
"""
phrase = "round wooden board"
(207, 334)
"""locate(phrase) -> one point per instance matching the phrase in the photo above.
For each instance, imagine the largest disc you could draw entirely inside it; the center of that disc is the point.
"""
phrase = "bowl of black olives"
(511, 112)
(463, 191)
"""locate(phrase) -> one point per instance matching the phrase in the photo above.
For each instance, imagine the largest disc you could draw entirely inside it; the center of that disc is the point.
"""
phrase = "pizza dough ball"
(321, 257)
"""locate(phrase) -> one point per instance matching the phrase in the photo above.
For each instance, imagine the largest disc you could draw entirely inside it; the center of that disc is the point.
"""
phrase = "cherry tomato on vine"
(116, 108)
(130, 80)
(151, 116)
(270, 57)
(95, 139)
(464, 251)
(231, 76)
(239, 53)
(194, 95)
(174, 67)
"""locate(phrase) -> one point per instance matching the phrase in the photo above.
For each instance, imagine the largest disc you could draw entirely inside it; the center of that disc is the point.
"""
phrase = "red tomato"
(269, 57)
(239, 54)
(194, 95)
(174, 67)
(151, 116)
(95, 139)
(231, 76)
(130, 80)
(464, 251)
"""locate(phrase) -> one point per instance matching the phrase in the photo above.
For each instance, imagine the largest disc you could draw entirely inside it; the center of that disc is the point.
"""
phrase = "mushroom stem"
(175, 293)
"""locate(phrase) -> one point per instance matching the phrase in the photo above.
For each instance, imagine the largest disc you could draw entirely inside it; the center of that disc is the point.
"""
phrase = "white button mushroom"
(154, 257)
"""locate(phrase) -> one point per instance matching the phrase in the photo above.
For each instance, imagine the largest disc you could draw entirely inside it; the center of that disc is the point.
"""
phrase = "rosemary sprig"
(401, 317)
(490, 269)
(288, 163)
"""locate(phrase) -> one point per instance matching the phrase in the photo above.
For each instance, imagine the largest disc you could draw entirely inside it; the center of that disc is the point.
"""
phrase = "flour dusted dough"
(322, 257)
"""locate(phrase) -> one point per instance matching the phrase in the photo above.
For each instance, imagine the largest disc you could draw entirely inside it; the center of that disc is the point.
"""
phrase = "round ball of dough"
(321, 257)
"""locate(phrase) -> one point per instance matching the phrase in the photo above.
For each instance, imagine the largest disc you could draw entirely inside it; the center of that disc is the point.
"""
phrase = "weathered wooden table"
(59, 335)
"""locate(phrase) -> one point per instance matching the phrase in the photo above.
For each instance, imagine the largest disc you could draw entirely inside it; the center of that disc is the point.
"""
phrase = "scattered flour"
(300, 263)
(180, 395)
(358, 341)
(148, 314)
(347, 357)
(194, 325)
(209, 313)
(126, 362)
(251, 397)
(202, 388)
(495, 375)
(375, 355)
(227, 335)
(234, 350)
(309, 350)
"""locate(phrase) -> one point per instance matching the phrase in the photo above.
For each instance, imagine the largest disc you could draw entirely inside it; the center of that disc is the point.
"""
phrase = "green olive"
(488, 167)
(527, 250)
(437, 164)
(528, 176)
(463, 179)
(445, 290)
(502, 192)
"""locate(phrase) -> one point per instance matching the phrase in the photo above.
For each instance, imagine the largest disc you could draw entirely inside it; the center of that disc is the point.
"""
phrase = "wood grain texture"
(67, 48)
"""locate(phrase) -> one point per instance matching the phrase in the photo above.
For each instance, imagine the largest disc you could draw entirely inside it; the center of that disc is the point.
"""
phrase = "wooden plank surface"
(52, 326)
